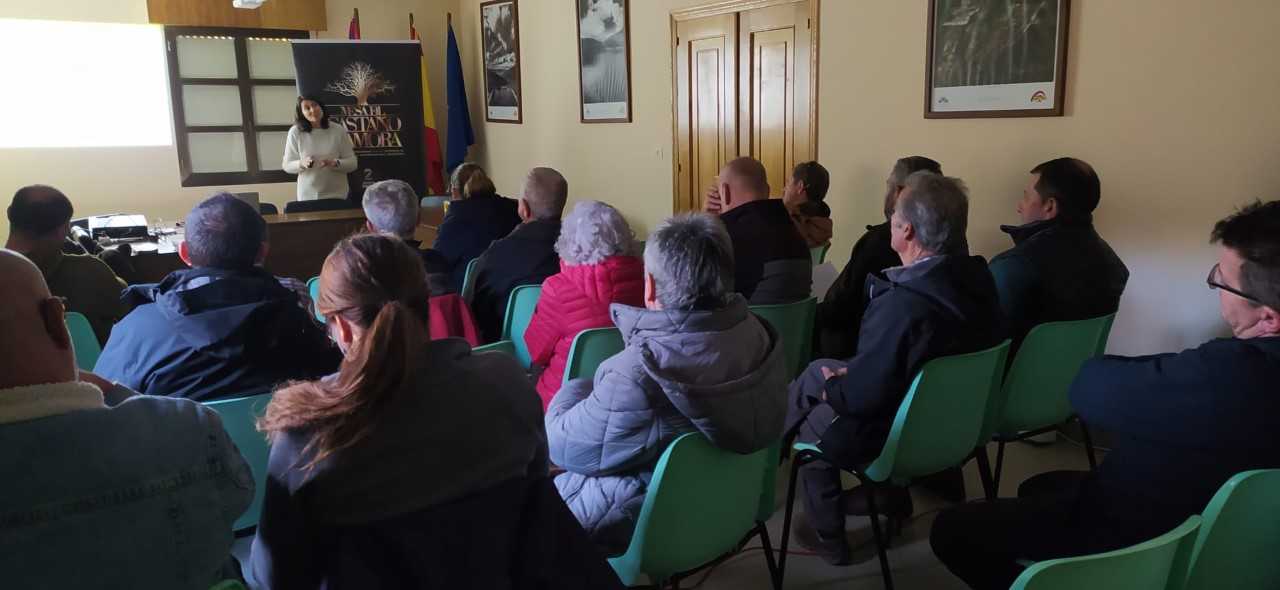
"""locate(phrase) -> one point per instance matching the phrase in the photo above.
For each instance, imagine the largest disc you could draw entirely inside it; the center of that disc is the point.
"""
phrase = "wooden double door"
(745, 85)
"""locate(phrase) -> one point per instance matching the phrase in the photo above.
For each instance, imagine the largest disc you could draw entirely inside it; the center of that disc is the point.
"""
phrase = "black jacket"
(1183, 424)
(940, 306)
(771, 261)
(467, 230)
(1058, 270)
(525, 257)
(840, 312)
(208, 333)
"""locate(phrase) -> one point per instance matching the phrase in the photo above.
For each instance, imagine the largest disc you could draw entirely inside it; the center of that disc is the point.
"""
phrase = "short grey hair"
(461, 173)
(592, 232)
(937, 207)
(690, 258)
(545, 193)
(391, 207)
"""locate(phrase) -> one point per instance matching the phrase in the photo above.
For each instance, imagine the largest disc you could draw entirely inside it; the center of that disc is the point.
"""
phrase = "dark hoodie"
(939, 306)
(208, 333)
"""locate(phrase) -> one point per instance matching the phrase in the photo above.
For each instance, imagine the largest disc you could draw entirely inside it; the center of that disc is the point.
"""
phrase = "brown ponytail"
(479, 184)
(376, 282)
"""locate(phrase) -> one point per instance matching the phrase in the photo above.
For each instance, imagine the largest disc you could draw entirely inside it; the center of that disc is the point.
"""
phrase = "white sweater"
(320, 144)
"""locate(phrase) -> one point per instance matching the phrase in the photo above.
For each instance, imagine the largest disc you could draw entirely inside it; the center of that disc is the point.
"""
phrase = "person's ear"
(650, 292)
(345, 333)
(522, 209)
(1270, 321)
(184, 252)
(55, 322)
(262, 253)
(1051, 208)
(908, 232)
(368, 226)
(726, 196)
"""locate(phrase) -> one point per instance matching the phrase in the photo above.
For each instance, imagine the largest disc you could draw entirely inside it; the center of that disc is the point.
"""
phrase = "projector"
(118, 227)
(247, 3)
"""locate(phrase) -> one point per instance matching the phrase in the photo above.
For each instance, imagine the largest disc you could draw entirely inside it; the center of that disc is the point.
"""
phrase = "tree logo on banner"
(360, 81)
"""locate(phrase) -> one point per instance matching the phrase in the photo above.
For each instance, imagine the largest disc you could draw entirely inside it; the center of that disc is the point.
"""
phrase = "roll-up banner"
(373, 89)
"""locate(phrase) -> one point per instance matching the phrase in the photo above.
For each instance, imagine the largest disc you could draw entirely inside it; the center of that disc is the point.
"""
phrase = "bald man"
(109, 490)
(526, 256)
(772, 260)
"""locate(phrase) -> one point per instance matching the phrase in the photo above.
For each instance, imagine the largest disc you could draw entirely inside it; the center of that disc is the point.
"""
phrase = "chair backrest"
(315, 205)
(700, 503)
(589, 349)
(83, 341)
(1239, 540)
(239, 417)
(520, 308)
(469, 281)
(941, 415)
(313, 288)
(268, 209)
(228, 585)
(1150, 565)
(819, 253)
(433, 201)
(794, 323)
(1036, 386)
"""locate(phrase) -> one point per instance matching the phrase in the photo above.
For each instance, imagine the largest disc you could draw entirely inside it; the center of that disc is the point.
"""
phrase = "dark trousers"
(808, 417)
(983, 542)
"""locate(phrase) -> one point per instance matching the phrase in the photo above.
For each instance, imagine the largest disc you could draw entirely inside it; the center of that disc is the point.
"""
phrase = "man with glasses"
(1184, 423)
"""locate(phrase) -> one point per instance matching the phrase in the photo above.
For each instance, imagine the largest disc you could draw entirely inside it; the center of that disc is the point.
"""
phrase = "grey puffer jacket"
(718, 372)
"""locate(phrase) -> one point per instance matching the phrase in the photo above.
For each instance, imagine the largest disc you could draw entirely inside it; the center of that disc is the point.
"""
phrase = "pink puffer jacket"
(574, 300)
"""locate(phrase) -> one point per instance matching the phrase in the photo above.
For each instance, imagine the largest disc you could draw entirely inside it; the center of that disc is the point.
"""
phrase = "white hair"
(592, 232)
(392, 207)
(690, 258)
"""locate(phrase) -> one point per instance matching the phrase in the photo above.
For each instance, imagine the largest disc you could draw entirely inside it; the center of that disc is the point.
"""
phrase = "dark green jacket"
(88, 284)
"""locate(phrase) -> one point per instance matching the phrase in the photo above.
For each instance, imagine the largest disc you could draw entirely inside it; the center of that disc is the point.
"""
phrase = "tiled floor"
(914, 566)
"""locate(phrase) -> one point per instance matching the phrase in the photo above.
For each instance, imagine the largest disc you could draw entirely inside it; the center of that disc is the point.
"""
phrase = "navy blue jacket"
(1184, 423)
(771, 260)
(940, 306)
(526, 257)
(208, 333)
(467, 230)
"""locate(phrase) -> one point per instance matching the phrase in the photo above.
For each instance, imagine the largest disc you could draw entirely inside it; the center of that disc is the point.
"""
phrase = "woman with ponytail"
(406, 425)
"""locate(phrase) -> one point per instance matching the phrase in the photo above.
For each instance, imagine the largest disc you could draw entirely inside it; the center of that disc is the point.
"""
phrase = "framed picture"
(996, 58)
(604, 60)
(500, 33)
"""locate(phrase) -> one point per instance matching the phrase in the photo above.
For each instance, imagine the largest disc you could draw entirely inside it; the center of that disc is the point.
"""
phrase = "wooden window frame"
(245, 83)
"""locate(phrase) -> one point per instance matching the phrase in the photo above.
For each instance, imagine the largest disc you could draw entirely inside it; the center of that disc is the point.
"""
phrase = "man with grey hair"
(696, 360)
(527, 256)
(940, 302)
(391, 207)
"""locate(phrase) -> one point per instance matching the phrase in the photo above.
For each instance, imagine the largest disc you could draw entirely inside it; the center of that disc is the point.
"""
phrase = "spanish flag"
(353, 27)
(431, 139)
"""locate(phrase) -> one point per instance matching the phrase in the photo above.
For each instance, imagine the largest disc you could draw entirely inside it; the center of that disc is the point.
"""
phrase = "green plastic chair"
(1150, 565)
(506, 347)
(934, 429)
(520, 308)
(700, 503)
(228, 585)
(589, 349)
(1034, 398)
(469, 281)
(819, 253)
(313, 288)
(83, 341)
(794, 323)
(239, 417)
(1239, 538)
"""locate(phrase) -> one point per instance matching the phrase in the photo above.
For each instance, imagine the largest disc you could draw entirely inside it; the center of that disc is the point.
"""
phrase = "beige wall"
(145, 179)
(1170, 102)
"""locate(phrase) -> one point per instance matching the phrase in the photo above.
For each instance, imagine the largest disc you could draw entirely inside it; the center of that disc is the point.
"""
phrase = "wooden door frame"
(728, 7)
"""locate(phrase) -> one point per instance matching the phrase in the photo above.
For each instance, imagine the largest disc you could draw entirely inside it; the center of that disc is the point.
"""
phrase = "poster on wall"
(373, 89)
(500, 33)
(996, 58)
(604, 61)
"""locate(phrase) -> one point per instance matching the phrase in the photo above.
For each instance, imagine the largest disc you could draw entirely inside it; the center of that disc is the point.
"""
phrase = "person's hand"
(331, 163)
(828, 373)
(712, 202)
(91, 378)
(308, 162)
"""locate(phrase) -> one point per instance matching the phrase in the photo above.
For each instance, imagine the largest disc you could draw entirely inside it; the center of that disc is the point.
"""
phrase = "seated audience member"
(102, 488)
(476, 217)
(696, 360)
(391, 207)
(940, 302)
(359, 459)
(223, 328)
(839, 316)
(525, 257)
(1059, 267)
(39, 222)
(1183, 424)
(804, 196)
(773, 263)
(598, 266)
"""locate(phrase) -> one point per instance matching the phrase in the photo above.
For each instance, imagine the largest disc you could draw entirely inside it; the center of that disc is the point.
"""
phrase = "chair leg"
(880, 541)
(995, 480)
(1088, 446)
(769, 559)
(796, 460)
(984, 473)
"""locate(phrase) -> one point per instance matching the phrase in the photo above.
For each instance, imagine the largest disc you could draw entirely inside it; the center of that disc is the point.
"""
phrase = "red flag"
(353, 29)
(430, 137)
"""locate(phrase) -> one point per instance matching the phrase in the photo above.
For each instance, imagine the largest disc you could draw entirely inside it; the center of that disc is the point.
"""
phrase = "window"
(74, 84)
(233, 94)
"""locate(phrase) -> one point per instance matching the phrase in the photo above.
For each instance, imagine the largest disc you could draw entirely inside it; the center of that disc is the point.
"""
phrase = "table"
(299, 243)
